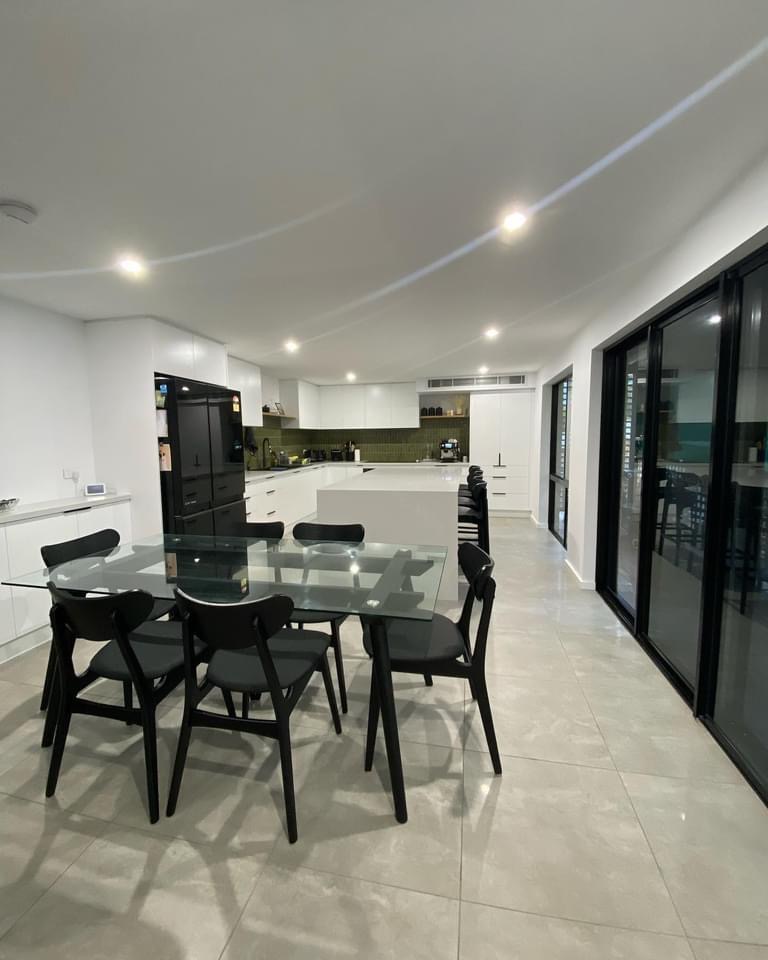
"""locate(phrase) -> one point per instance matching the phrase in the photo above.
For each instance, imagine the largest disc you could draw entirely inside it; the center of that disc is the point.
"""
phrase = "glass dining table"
(375, 581)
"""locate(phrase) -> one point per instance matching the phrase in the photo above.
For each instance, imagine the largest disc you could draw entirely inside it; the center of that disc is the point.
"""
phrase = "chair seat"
(316, 616)
(162, 608)
(295, 653)
(420, 640)
(157, 645)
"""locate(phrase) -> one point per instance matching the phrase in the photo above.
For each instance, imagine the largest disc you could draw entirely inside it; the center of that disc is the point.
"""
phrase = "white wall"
(733, 225)
(45, 412)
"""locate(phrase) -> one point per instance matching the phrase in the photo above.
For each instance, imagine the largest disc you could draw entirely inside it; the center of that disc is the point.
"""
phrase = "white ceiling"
(167, 128)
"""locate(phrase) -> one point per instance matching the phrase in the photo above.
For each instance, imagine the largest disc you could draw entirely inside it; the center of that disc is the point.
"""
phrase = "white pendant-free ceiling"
(320, 173)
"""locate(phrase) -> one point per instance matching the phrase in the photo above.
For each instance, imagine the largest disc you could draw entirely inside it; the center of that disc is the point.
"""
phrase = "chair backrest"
(92, 545)
(477, 567)
(329, 532)
(260, 531)
(233, 626)
(475, 471)
(99, 618)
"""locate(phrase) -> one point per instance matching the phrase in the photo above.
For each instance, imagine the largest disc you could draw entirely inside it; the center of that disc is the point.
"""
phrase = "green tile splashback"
(387, 446)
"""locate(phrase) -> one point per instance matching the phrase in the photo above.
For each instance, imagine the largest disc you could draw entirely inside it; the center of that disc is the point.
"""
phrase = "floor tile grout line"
(248, 899)
(655, 858)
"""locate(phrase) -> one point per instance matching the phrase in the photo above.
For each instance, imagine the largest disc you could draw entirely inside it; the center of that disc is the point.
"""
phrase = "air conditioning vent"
(503, 379)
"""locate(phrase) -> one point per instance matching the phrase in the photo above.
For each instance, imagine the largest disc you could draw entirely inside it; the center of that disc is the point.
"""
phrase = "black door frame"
(555, 479)
(726, 291)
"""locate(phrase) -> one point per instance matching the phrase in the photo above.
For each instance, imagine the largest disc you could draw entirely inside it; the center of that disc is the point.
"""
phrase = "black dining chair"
(443, 648)
(473, 523)
(274, 530)
(314, 533)
(152, 662)
(98, 544)
(248, 652)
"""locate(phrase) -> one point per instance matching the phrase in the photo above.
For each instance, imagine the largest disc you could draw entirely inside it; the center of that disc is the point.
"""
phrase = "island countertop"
(439, 478)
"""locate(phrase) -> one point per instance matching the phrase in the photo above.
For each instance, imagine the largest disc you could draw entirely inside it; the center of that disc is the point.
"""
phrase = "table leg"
(383, 674)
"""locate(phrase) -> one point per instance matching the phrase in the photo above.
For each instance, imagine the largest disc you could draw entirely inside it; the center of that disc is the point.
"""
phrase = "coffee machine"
(449, 451)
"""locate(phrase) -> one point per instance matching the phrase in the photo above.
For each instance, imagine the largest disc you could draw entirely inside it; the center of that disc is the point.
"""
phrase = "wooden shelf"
(445, 416)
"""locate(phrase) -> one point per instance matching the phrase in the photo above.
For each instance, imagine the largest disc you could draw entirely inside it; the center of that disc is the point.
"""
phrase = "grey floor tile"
(711, 842)
(718, 950)
(136, 895)
(304, 915)
(488, 933)
(561, 840)
(540, 719)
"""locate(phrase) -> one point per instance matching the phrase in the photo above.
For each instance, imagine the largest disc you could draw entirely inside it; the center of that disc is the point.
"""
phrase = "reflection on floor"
(618, 830)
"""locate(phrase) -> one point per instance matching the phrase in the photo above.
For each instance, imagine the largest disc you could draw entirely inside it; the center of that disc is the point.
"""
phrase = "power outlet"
(73, 475)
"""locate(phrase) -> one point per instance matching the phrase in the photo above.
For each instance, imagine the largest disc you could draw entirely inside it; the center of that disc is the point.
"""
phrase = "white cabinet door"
(378, 404)
(354, 407)
(174, 350)
(113, 516)
(405, 404)
(246, 377)
(515, 427)
(24, 539)
(309, 405)
(210, 360)
(332, 404)
(484, 438)
(7, 628)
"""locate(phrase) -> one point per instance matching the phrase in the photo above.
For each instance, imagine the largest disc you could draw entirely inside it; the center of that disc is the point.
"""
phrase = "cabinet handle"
(496, 494)
(269, 492)
(77, 510)
(271, 512)
(496, 476)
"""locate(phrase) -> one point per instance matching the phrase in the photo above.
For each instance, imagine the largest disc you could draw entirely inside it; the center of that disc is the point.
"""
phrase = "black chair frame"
(243, 625)
(99, 619)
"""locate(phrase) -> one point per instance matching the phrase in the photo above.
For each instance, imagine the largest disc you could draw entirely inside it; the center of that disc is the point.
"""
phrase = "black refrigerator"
(200, 446)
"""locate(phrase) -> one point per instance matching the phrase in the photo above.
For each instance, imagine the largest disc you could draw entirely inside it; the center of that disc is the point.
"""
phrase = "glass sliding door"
(741, 695)
(559, 456)
(684, 418)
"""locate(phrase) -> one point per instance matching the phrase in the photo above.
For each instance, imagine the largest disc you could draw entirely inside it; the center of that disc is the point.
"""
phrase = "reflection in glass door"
(684, 416)
(742, 678)
(559, 457)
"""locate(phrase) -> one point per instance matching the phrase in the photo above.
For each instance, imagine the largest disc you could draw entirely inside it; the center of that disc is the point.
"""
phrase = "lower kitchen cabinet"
(21, 608)
(508, 488)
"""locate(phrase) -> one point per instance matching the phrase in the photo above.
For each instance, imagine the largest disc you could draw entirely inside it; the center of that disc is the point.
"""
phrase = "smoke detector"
(16, 210)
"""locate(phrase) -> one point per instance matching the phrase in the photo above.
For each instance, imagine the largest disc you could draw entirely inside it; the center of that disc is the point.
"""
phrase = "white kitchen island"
(402, 505)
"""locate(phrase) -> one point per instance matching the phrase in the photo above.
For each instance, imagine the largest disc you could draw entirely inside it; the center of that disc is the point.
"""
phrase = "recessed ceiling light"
(491, 333)
(351, 376)
(291, 346)
(715, 318)
(132, 266)
(513, 221)
(482, 369)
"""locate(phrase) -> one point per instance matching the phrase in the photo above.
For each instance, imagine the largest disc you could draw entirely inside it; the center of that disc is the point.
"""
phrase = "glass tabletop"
(375, 579)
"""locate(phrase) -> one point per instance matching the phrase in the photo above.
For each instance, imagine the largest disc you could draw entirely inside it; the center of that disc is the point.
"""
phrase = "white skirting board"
(584, 584)
(27, 641)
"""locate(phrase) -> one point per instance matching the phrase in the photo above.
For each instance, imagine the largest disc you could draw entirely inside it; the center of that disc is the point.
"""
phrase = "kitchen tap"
(266, 449)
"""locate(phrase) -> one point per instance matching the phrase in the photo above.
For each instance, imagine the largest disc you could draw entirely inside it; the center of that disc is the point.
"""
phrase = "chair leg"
(484, 705)
(286, 765)
(326, 672)
(150, 756)
(428, 680)
(128, 699)
(178, 765)
(246, 705)
(336, 644)
(373, 721)
(52, 714)
(60, 739)
(229, 702)
(50, 676)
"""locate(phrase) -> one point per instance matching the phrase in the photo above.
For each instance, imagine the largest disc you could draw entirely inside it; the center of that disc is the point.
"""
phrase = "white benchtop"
(400, 479)
(49, 508)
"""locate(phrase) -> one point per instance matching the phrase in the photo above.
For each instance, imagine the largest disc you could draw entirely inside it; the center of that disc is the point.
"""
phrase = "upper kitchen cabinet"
(182, 354)
(404, 399)
(301, 402)
(246, 377)
(378, 404)
(500, 428)
(333, 402)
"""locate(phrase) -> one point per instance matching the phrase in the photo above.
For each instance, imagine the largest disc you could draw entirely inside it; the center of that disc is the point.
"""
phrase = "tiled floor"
(618, 830)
